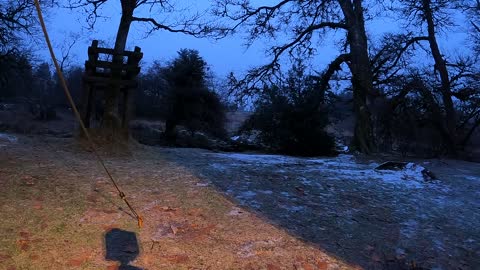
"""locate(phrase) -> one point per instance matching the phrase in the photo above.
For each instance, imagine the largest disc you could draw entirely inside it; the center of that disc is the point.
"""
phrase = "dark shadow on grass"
(122, 246)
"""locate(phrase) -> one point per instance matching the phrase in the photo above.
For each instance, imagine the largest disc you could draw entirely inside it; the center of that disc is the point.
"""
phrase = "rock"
(392, 166)
(428, 175)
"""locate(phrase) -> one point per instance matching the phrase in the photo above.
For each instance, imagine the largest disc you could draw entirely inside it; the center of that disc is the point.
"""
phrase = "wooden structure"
(103, 76)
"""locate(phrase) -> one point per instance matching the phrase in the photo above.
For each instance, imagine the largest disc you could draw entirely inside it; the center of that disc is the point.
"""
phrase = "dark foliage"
(36, 88)
(73, 76)
(292, 117)
(16, 76)
(412, 122)
(197, 110)
(151, 93)
(190, 102)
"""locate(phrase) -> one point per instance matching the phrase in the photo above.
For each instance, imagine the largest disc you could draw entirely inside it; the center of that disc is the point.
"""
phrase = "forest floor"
(208, 210)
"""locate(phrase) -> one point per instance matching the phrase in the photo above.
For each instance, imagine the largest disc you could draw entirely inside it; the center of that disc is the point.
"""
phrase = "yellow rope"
(77, 114)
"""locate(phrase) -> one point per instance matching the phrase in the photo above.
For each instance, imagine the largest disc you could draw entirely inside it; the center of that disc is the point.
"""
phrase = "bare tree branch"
(17, 18)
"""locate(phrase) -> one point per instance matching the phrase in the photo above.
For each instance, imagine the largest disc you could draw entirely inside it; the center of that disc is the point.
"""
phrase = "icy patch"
(218, 167)
(342, 167)
(202, 184)
(262, 159)
(305, 181)
(247, 195)
(267, 192)
(293, 208)
(235, 138)
(9, 138)
(340, 160)
(409, 228)
(470, 178)
(439, 244)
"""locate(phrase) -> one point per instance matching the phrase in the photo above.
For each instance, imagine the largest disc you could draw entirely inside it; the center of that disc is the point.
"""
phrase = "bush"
(291, 119)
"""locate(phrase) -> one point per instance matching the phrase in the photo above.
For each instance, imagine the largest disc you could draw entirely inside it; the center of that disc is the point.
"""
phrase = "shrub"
(291, 119)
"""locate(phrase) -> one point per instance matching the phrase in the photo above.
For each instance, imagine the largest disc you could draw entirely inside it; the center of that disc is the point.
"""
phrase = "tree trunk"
(441, 67)
(362, 81)
(112, 125)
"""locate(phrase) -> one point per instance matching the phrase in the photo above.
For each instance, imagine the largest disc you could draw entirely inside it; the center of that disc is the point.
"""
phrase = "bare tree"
(306, 22)
(471, 8)
(17, 18)
(430, 16)
(65, 59)
(17, 25)
(448, 88)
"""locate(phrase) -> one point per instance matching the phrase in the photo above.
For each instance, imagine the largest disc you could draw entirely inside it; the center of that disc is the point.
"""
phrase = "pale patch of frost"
(265, 159)
(202, 184)
(409, 228)
(9, 138)
(292, 208)
(247, 194)
(342, 167)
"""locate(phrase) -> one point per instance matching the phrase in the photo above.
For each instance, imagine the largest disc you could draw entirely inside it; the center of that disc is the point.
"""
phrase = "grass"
(56, 206)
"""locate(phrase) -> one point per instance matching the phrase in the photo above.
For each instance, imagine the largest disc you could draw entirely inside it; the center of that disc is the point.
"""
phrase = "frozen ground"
(351, 211)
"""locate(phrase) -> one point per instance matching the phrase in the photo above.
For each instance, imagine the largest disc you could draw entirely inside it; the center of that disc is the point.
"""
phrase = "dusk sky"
(223, 56)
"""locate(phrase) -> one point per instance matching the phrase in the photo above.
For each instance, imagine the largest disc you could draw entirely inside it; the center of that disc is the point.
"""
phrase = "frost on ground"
(355, 212)
(7, 138)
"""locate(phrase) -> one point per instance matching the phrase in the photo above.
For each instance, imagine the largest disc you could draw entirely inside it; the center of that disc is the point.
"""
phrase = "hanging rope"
(79, 118)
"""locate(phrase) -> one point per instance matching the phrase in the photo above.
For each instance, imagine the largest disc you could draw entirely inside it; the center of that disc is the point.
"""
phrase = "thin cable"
(77, 114)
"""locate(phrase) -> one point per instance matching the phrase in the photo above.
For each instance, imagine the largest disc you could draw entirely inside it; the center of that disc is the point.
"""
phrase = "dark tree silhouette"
(453, 77)
(190, 101)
